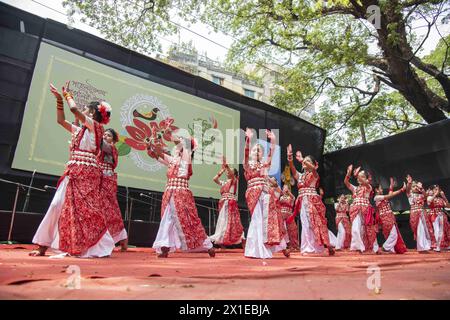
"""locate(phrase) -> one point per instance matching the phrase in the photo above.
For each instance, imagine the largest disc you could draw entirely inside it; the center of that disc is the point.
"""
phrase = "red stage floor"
(138, 274)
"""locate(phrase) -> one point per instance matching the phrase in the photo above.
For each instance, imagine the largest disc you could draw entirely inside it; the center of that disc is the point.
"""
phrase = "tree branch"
(411, 3)
(375, 91)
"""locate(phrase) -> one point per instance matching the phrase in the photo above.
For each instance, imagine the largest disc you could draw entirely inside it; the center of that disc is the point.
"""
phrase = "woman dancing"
(229, 230)
(275, 194)
(74, 223)
(364, 228)
(287, 200)
(437, 201)
(264, 236)
(394, 242)
(315, 234)
(180, 227)
(108, 160)
(344, 235)
(419, 219)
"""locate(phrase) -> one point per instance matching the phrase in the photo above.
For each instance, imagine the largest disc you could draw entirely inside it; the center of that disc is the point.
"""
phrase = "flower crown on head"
(104, 108)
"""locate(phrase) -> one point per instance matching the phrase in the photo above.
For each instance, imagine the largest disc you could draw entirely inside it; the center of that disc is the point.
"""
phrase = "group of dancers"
(84, 218)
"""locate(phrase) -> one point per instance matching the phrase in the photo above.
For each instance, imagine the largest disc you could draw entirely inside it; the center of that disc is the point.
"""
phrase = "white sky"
(54, 10)
(50, 8)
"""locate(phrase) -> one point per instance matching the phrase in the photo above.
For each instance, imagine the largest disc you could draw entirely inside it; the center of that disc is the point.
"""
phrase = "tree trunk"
(398, 55)
(363, 133)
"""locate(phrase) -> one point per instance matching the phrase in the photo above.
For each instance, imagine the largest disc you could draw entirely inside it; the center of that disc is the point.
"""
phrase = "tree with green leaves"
(358, 59)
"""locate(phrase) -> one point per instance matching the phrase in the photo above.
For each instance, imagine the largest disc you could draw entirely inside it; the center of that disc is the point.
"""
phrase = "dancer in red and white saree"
(275, 194)
(364, 227)
(180, 227)
(229, 230)
(287, 201)
(343, 225)
(437, 201)
(264, 236)
(74, 223)
(108, 160)
(315, 233)
(394, 242)
(419, 219)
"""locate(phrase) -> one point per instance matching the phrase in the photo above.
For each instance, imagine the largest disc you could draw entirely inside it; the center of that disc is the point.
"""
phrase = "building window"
(217, 80)
(249, 93)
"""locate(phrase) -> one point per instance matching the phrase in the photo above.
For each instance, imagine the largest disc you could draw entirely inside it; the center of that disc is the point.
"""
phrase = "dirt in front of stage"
(139, 274)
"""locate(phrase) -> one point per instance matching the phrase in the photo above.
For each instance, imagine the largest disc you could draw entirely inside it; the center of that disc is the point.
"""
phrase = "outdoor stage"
(138, 274)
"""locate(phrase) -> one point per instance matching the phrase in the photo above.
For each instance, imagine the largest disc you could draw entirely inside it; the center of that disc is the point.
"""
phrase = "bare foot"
(287, 253)
(124, 245)
(39, 252)
(212, 252)
(243, 243)
(331, 251)
(164, 252)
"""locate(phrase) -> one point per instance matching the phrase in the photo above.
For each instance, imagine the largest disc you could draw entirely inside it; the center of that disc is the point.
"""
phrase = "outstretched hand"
(299, 156)
(270, 135)
(349, 170)
(289, 149)
(224, 162)
(392, 183)
(55, 92)
(66, 88)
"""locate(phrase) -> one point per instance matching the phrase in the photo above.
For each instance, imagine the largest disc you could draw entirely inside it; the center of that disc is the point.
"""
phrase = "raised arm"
(248, 137)
(272, 139)
(347, 179)
(226, 166)
(311, 166)
(74, 109)
(217, 176)
(395, 193)
(291, 162)
(60, 116)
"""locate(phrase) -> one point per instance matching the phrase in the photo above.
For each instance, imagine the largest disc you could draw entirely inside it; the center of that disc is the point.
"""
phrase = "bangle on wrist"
(67, 95)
